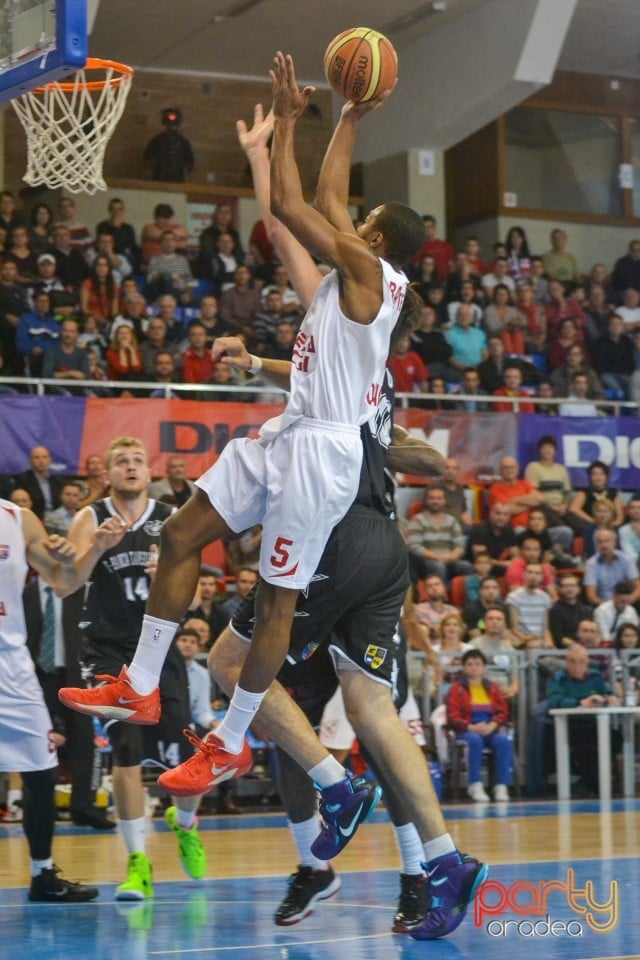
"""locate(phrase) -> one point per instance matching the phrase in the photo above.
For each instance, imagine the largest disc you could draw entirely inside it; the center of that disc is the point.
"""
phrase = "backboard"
(40, 41)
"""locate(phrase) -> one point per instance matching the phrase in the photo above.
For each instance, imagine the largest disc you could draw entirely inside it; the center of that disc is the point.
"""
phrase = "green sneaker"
(192, 855)
(139, 882)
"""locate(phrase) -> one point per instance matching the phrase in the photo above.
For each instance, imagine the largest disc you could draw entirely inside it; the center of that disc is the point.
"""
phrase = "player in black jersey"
(117, 545)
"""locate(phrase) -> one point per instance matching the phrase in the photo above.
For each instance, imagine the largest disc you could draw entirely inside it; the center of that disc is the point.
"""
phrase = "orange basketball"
(360, 63)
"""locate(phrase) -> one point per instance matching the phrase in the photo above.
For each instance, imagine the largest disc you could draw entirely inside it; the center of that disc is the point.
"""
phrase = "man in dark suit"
(53, 639)
(43, 487)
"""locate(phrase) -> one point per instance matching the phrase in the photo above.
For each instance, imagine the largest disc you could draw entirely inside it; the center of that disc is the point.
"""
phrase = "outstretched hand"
(110, 533)
(289, 101)
(260, 133)
(357, 110)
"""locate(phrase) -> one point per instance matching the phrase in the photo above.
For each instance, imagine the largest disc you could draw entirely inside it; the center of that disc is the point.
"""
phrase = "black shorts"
(354, 598)
(164, 742)
(311, 683)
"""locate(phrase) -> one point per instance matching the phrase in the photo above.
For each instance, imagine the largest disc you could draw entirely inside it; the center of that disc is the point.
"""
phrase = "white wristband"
(256, 363)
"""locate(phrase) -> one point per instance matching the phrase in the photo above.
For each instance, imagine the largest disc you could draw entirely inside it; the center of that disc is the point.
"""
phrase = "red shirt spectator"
(197, 363)
(409, 372)
(442, 251)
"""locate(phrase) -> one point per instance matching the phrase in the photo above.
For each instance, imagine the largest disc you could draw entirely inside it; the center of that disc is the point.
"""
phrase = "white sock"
(37, 866)
(238, 718)
(132, 832)
(328, 772)
(439, 847)
(411, 849)
(185, 818)
(304, 834)
(153, 646)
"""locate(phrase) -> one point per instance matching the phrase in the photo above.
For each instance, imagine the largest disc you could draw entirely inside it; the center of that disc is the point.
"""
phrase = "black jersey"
(117, 590)
(376, 489)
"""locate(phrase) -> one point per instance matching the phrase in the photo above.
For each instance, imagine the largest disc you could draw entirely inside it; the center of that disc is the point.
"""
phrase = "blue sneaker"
(343, 807)
(452, 886)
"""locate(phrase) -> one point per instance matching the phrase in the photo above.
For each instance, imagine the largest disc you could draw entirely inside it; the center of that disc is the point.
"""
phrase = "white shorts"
(412, 719)
(336, 733)
(25, 724)
(297, 485)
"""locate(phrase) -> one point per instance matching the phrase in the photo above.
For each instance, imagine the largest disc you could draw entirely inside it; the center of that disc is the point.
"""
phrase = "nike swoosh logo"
(223, 773)
(438, 883)
(134, 700)
(348, 830)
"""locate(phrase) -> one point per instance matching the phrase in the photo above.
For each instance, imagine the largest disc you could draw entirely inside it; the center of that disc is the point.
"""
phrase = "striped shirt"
(424, 534)
(532, 607)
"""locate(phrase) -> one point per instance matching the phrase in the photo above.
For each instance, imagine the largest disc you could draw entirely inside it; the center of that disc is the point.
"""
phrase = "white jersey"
(338, 365)
(13, 573)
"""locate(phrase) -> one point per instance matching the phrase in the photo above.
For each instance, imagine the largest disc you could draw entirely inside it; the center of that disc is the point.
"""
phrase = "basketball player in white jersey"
(26, 745)
(300, 477)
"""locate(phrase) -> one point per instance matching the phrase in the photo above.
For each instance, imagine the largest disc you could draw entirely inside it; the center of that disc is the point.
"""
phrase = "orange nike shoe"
(114, 700)
(209, 765)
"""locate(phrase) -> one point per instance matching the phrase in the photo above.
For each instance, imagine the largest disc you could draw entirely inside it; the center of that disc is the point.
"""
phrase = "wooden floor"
(250, 857)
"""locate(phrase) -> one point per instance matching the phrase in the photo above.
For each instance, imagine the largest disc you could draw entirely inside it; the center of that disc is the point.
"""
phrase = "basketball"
(360, 64)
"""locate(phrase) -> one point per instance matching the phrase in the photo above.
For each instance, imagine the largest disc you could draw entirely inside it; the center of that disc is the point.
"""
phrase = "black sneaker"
(413, 903)
(48, 887)
(306, 887)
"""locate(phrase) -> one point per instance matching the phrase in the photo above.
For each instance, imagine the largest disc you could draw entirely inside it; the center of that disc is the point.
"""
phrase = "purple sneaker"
(452, 885)
(343, 807)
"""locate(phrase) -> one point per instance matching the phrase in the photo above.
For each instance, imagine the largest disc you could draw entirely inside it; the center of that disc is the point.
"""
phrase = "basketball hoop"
(68, 125)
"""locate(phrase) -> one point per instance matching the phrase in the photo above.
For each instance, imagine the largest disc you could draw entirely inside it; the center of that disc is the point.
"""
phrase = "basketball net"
(69, 123)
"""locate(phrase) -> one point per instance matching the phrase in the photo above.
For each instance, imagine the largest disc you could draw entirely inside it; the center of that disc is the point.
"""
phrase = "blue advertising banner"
(581, 440)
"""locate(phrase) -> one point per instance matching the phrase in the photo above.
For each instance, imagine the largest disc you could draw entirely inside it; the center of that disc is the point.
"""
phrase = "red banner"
(197, 431)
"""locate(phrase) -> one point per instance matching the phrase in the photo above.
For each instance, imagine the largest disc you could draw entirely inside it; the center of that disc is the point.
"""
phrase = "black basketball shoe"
(306, 887)
(413, 903)
(48, 887)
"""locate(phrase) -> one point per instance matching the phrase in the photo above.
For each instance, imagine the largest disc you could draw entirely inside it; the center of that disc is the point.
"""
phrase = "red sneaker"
(114, 700)
(209, 765)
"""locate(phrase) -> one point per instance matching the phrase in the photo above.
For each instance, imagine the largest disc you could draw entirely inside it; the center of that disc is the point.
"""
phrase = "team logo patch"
(375, 656)
(309, 650)
(153, 527)
(5, 551)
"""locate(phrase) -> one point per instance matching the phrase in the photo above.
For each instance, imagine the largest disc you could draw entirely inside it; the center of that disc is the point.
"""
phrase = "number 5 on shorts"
(280, 556)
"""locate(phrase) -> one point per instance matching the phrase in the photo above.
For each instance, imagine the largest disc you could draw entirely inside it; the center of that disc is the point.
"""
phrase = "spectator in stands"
(221, 222)
(13, 303)
(9, 217)
(169, 153)
(471, 385)
(124, 358)
(96, 483)
(516, 492)
(21, 498)
(133, 314)
(124, 235)
(245, 551)
(42, 486)
(629, 533)
(476, 712)
(518, 254)
(552, 481)
(575, 362)
(456, 280)
(71, 267)
(556, 542)
(455, 494)
(597, 311)
(582, 504)
(37, 333)
(222, 268)
(199, 680)
(530, 551)
(282, 347)
(496, 643)
(566, 614)
(167, 309)
(175, 486)
(151, 236)
(430, 344)
(566, 336)
(429, 613)
(99, 294)
(105, 247)
(409, 372)
(22, 255)
(528, 608)
(426, 275)
(512, 388)
(206, 603)
(491, 370)
(265, 322)
(65, 360)
(559, 264)
(46, 278)
(562, 307)
(607, 567)
(611, 614)
(59, 520)
(290, 303)
(626, 272)
(498, 277)
(496, 537)
(164, 372)
(473, 614)
(240, 305)
(40, 228)
(482, 566)
(197, 363)
(579, 685)
(627, 638)
(246, 579)
(157, 342)
(577, 403)
(210, 318)
(603, 519)
(435, 300)
(435, 540)
(441, 250)
(629, 310)
(169, 271)
(473, 250)
(79, 234)
(539, 282)
(438, 386)
(500, 314)
(468, 343)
